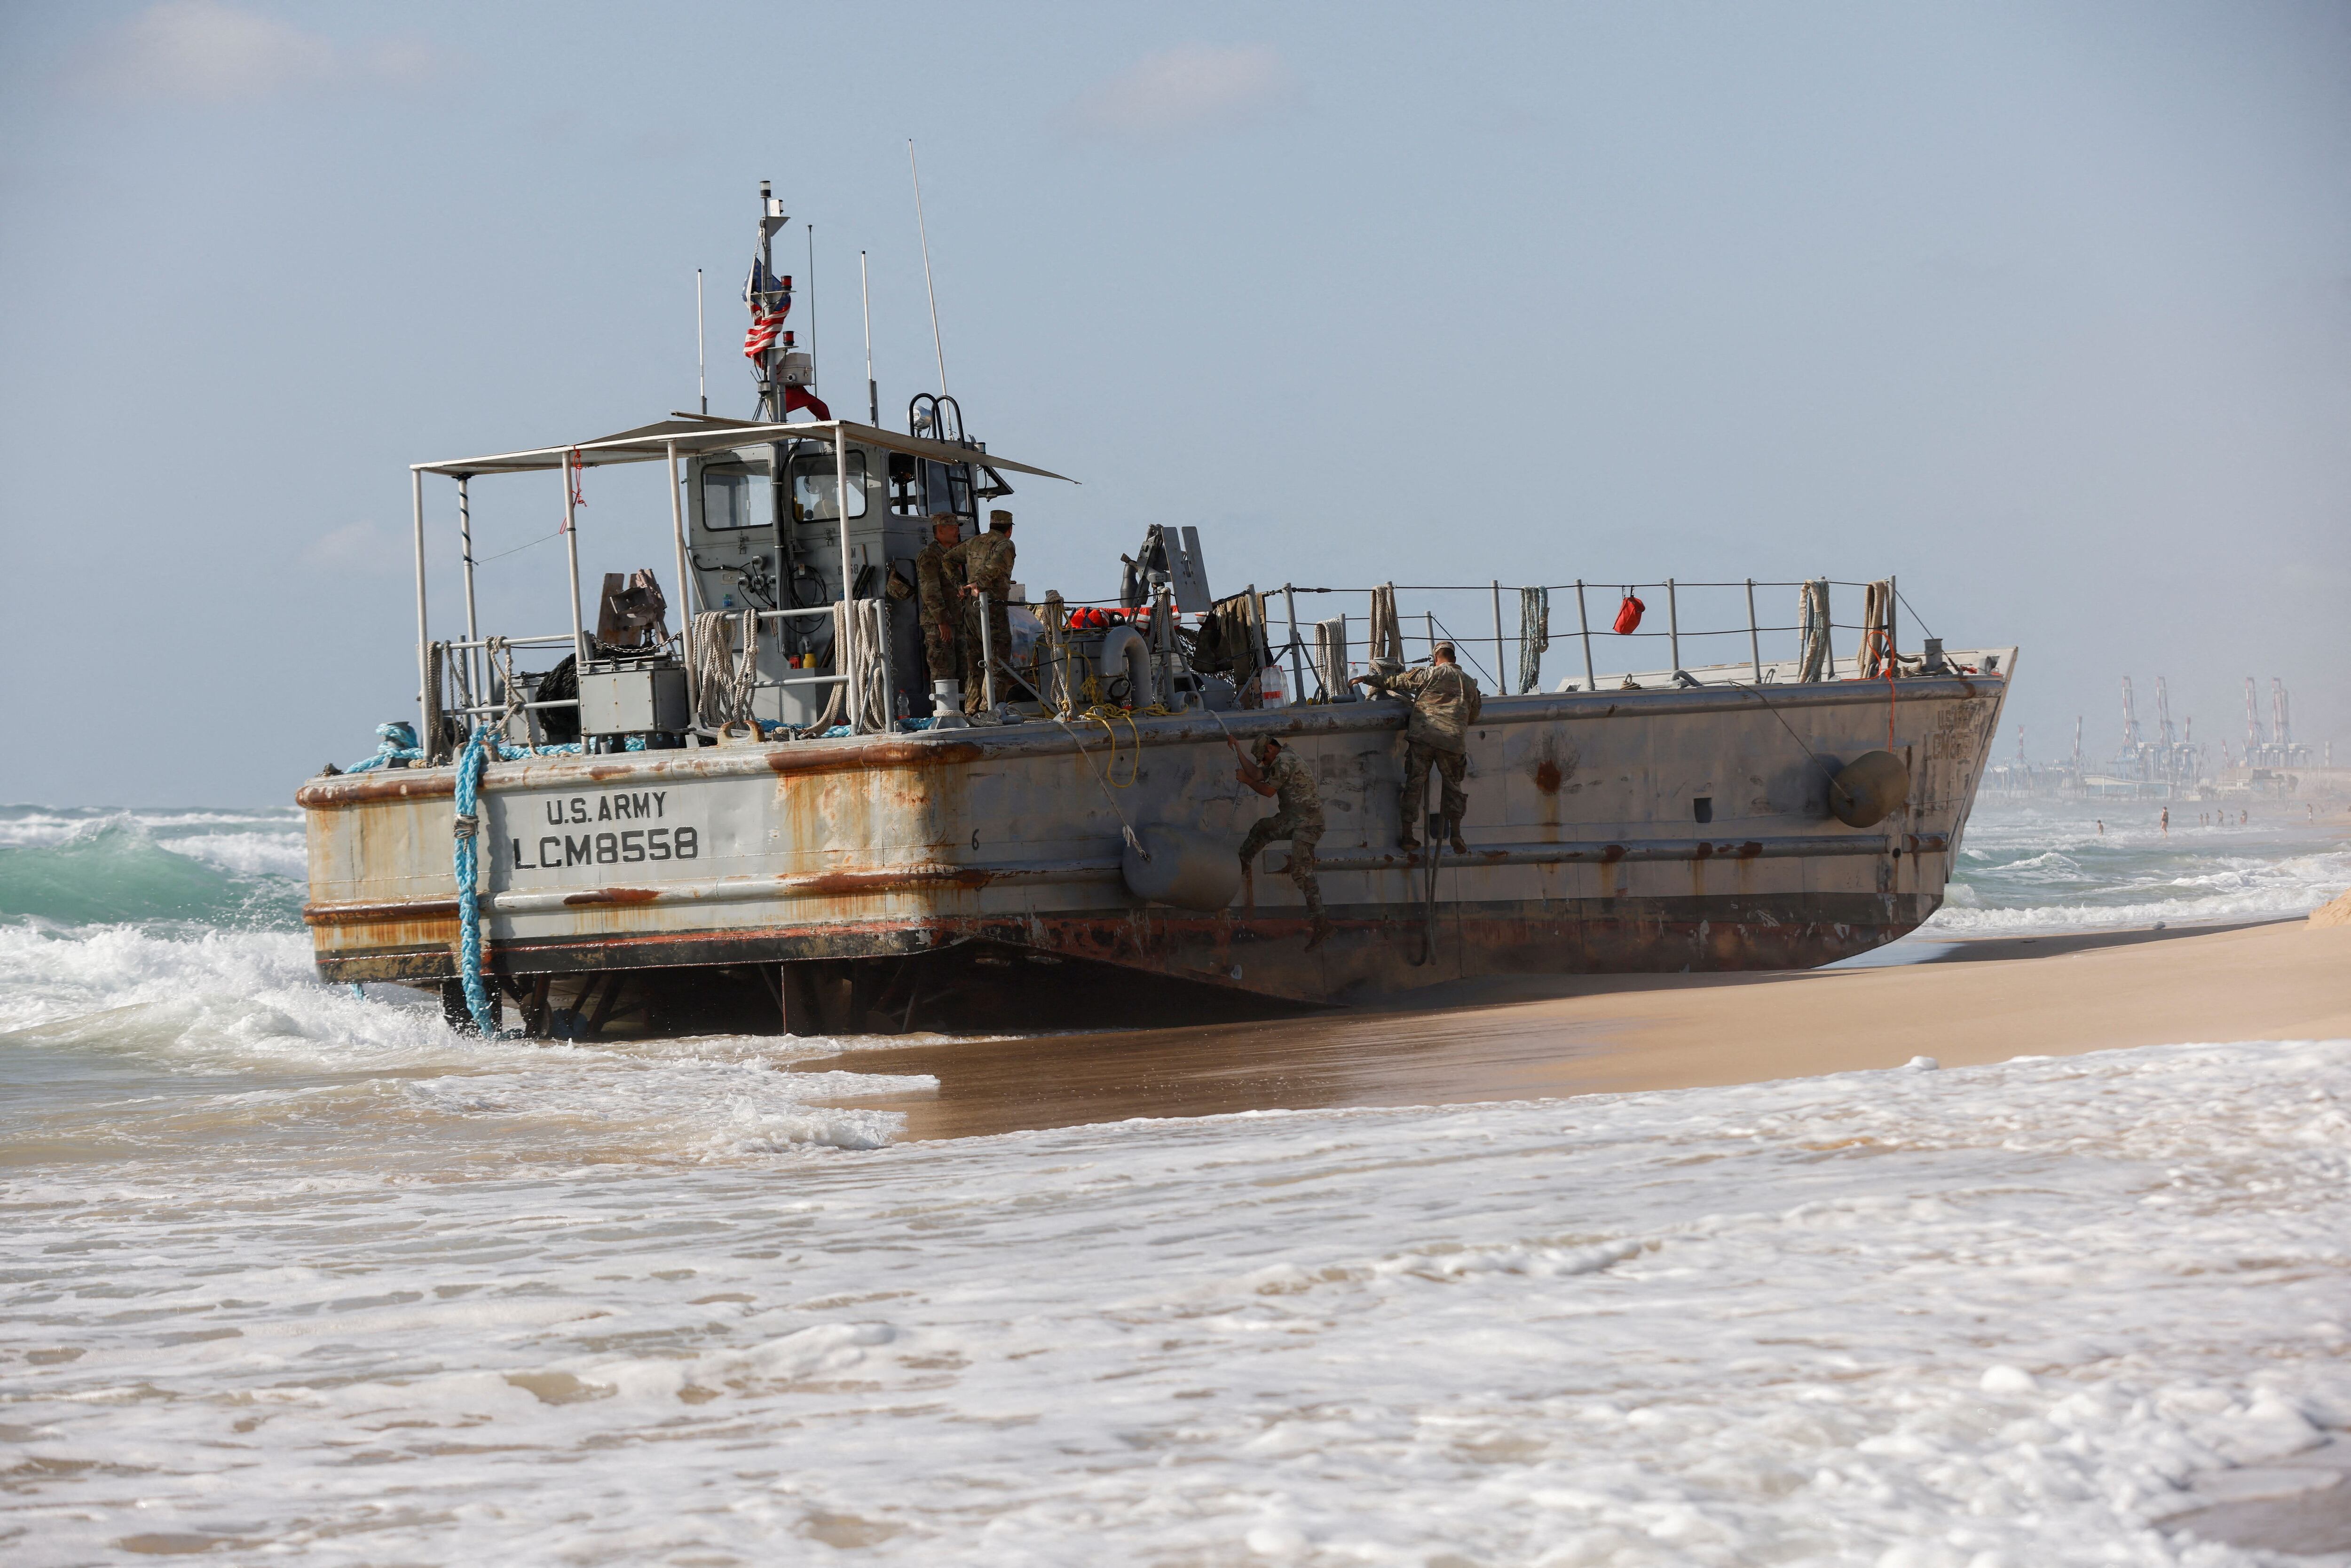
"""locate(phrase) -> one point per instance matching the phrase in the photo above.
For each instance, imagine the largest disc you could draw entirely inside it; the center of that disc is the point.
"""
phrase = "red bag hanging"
(1628, 614)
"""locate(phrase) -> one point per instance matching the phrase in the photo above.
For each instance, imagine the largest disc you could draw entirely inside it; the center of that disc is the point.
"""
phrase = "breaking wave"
(114, 869)
(2048, 868)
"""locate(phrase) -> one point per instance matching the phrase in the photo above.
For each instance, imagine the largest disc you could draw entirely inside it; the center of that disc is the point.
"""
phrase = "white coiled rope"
(859, 628)
(725, 666)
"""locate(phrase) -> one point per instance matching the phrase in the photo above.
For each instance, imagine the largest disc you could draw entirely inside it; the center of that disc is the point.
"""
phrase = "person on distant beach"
(2102, 827)
(2244, 817)
(1277, 770)
(2167, 818)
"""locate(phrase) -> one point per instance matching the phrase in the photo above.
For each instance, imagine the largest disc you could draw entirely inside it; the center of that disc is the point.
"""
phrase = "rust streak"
(858, 756)
(613, 896)
(402, 784)
(370, 913)
(861, 882)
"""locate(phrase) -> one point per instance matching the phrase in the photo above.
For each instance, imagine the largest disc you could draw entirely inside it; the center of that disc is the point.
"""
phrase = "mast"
(770, 300)
(865, 305)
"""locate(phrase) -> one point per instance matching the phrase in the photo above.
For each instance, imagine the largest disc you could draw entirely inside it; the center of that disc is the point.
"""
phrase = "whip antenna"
(866, 302)
(701, 347)
(929, 288)
(811, 242)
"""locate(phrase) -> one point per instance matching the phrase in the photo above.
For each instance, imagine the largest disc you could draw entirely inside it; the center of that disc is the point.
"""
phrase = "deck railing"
(1581, 616)
(471, 669)
(1568, 642)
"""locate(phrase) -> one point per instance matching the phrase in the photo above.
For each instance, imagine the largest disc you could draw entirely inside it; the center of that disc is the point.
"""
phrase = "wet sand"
(1974, 1002)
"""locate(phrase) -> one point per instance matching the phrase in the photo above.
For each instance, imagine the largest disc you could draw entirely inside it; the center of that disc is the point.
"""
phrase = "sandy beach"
(1975, 1002)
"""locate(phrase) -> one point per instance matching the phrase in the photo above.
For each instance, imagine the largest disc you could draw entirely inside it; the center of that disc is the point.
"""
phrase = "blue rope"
(394, 742)
(469, 902)
(407, 756)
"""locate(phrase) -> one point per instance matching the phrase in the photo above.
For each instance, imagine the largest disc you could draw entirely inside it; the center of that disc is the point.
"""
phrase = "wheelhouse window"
(946, 487)
(905, 494)
(919, 486)
(734, 495)
(814, 500)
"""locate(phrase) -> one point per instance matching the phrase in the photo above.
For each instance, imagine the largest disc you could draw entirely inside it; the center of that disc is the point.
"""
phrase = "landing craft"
(778, 816)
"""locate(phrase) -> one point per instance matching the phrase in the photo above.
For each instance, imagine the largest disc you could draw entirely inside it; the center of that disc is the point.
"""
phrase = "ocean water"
(2049, 866)
(289, 1274)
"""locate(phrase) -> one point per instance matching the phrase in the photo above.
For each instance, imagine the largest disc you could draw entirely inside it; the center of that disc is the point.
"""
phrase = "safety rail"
(1517, 653)
(1423, 626)
(471, 674)
(811, 612)
(858, 677)
(465, 681)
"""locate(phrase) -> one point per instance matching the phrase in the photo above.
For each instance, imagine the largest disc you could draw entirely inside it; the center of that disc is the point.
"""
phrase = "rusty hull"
(1610, 832)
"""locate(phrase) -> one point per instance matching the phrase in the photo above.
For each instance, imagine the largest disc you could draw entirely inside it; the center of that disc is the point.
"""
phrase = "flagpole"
(865, 303)
(571, 549)
(771, 398)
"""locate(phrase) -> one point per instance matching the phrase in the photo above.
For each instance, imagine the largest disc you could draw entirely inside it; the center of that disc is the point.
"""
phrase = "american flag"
(762, 282)
(765, 324)
(770, 299)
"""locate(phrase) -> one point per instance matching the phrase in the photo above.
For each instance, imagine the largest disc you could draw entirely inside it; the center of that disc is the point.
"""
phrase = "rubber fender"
(1869, 789)
(1184, 867)
(1125, 652)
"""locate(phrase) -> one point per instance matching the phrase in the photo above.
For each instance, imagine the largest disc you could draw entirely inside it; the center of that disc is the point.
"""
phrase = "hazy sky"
(2047, 310)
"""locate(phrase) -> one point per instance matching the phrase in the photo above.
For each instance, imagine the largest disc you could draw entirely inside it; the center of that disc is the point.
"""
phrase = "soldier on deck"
(1445, 701)
(937, 591)
(1297, 817)
(985, 563)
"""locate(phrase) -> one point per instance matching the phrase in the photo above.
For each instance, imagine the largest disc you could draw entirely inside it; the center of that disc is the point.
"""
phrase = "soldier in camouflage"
(1297, 817)
(936, 593)
(985, 563)
(1445, 701)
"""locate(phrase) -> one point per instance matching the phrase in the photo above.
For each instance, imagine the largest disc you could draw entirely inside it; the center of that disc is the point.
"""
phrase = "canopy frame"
(691, 435)
(681, 435)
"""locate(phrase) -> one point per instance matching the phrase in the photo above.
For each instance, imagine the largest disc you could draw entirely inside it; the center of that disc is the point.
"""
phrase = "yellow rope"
(1105, 715)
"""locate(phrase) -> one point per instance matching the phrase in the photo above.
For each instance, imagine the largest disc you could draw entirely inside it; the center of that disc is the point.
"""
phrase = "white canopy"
(691, 434)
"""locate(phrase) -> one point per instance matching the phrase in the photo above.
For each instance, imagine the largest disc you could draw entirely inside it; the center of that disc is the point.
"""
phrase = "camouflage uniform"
(937, 590)
(1444, 703)
(1297, 817)
(985, 561)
